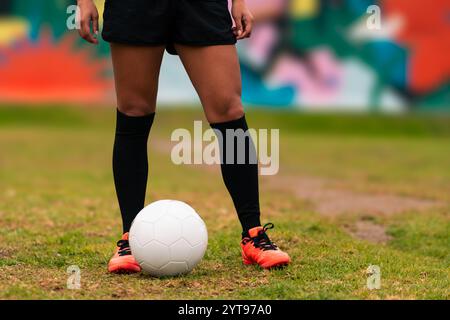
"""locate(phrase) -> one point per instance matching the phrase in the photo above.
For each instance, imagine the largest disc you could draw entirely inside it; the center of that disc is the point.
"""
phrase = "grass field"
(352, 191)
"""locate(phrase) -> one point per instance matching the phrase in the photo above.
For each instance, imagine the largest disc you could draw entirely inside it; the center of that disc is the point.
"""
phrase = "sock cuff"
(240, 123)
(138, 124)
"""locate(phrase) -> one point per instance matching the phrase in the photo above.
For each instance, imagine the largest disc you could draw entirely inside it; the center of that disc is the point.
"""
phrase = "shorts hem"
(166, 43)
(133, 42)
(204, 43)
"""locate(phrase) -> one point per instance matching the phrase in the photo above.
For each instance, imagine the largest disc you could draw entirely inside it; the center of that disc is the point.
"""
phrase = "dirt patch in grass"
(332, 201)
(369, 231)
(5, 253)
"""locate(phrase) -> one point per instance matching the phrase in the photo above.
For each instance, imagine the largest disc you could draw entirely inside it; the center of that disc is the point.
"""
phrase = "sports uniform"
(165, 22)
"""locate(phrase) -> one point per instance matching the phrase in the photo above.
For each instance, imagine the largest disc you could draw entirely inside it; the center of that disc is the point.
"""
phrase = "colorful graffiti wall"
(305, 54)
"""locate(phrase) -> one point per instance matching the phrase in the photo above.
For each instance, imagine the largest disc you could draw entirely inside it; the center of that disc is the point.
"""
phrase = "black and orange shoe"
(258, 249)
(123, 261)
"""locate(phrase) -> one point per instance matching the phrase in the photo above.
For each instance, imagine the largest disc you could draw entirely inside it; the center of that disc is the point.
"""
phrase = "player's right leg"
(136, 72)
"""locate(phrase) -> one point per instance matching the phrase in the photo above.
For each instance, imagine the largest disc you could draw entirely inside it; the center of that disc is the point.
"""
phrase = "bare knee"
(232, 109)
(135, 106)
(226, 110)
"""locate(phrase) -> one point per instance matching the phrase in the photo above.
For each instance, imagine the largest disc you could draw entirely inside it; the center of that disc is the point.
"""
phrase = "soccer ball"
(168, 238)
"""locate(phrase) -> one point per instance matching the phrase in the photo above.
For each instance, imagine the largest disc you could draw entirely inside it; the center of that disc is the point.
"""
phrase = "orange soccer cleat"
(123, 261)
(257, 248)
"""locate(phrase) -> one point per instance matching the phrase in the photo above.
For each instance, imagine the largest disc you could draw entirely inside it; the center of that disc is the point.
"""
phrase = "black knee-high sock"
(241, 179)
(130, 164)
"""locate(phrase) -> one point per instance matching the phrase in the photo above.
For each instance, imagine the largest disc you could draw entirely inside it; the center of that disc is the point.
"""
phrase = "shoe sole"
(124, 269)
(280, 265)
(277, 265)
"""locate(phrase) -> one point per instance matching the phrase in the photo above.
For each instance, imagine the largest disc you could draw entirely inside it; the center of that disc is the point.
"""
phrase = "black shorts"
(165, 22)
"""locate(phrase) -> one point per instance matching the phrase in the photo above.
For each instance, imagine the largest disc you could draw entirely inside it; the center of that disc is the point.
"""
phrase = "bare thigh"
(136, 74)
(215, 74)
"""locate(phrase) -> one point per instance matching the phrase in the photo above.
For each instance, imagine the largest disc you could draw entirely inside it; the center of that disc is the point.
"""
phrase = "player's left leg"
(215, 74)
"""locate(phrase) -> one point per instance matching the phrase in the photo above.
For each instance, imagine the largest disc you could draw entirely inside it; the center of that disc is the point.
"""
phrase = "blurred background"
(303, 54)
(364, 119)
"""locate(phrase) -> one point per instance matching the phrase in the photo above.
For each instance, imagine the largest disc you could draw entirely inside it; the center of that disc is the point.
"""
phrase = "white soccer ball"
(168, 238)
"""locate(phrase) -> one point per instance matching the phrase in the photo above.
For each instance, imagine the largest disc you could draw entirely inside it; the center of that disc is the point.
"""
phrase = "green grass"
(58, 208)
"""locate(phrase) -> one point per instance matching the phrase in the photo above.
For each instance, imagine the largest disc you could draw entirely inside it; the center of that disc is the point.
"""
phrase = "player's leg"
(136, 72)
(215, 74)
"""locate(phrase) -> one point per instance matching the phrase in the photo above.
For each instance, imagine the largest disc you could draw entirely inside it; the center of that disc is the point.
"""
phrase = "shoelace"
(262, 240)
(124, 247)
